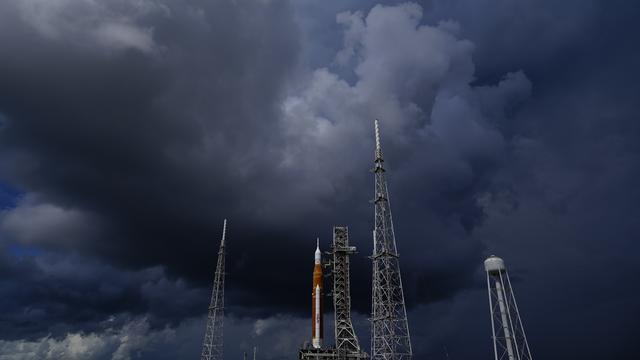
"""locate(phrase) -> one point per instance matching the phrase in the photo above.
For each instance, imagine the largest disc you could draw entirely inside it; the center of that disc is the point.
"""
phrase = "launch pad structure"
(390, 339)
(346, 343)
(390, 332)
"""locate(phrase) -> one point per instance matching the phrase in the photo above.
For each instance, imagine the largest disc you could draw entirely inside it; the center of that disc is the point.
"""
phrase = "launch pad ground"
(329, 353)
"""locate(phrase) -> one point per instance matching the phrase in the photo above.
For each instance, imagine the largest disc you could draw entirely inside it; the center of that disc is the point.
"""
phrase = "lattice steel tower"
(347, 345)
(509, 339)
(212, 344)
(390, 338)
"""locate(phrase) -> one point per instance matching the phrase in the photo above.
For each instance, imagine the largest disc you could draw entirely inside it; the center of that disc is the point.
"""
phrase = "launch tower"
(390, 338)
(212, 344)
(509, 340)
(346, 346)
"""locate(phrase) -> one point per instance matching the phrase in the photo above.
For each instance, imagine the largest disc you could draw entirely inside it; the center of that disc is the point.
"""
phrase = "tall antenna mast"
(212, 344)
(509, 339)
(390, 339)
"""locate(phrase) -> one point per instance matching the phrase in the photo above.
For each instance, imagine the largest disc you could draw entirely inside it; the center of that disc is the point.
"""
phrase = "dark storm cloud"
(8, 196)
(133, 128)
(558, 201)
(133, 148)
(441, 147)
(52, 294)
(567, 203)
(133, 138)
(148, 117)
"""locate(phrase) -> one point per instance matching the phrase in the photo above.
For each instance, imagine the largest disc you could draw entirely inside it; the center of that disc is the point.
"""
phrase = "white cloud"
(123, 343)
(416, 78)
(121, 35)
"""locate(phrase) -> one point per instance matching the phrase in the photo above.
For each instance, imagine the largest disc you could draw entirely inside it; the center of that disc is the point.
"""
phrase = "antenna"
(377, 132)
(212, 344)
(390, 339)
(224, 232)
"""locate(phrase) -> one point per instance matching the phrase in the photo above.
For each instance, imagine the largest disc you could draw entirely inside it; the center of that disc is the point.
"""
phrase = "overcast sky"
(129, 129)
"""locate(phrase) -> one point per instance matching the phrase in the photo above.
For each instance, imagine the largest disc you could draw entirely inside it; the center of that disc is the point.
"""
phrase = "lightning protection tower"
(509, 340)
(212, 344)
(390, 338)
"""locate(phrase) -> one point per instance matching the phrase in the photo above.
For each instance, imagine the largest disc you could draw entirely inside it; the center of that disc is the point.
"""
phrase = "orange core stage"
(316, 301)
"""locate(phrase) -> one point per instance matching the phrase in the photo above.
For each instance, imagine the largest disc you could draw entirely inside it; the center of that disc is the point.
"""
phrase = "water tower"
(509, 339)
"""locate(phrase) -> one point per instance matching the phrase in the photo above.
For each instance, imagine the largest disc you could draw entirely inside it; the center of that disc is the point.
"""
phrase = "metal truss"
(390, 339)
(346, 339)
(509, 339)
(346, 346)
(213, 344)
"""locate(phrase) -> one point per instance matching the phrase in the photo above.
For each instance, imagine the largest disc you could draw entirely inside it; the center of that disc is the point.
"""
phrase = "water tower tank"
(494, 265)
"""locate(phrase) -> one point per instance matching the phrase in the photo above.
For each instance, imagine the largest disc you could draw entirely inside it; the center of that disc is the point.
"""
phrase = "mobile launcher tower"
(509, 339)
(346, 343)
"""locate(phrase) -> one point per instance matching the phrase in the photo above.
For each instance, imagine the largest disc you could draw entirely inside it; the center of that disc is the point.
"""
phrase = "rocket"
(316, 301)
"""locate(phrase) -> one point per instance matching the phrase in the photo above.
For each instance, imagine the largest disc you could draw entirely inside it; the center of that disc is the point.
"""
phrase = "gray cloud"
(107, 172)
(44, 224)
(108, 25)
(108, 134)
(122, 343)
(52, 294)
(133, 128)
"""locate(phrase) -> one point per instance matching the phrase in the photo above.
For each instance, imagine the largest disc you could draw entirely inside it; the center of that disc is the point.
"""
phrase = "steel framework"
(509, 339)
(345, 336)
(390, 339)
(213, 344)
(346, 346)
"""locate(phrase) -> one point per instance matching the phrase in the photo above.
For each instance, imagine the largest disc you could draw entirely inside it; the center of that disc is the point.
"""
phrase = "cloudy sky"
(129, 129)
